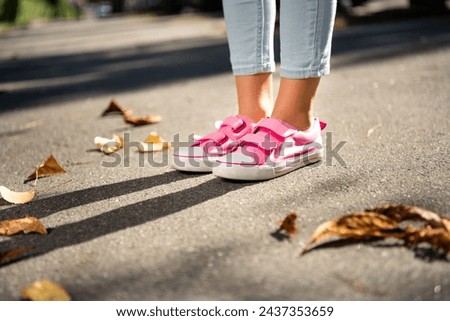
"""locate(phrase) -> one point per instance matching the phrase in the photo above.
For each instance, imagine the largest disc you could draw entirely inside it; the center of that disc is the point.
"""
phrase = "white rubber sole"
(265, 172)
(191, 164)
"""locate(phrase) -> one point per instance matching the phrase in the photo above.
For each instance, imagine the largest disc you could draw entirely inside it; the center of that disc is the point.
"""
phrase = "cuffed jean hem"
(252, 70)
(305, 73)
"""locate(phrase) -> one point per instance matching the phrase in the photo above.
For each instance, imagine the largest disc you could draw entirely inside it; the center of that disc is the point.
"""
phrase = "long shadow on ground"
(114, 220)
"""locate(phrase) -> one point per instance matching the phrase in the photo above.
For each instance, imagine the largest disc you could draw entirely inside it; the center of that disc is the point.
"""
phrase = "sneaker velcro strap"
(261, 140)
(236, 123)
(274, 126)
(217, 137)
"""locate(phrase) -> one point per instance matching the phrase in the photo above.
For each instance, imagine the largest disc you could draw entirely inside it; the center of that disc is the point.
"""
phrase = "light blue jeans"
(306, 28)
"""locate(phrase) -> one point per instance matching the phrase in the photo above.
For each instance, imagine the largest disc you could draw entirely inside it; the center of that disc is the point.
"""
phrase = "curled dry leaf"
(153, 143)
(358, 226)
(28, 224)
(385, 222)
(45, 290)
(128, 116)
(289, 225)
(48, 167)
(107, 145)
(16, 197)
(404, 212)
(287, 228)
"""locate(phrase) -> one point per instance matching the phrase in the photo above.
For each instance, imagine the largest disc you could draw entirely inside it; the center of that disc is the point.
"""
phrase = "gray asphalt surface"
(148, 232)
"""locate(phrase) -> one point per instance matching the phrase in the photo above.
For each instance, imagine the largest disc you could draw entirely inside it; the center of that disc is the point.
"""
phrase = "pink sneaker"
(202, 155)
(274, 148)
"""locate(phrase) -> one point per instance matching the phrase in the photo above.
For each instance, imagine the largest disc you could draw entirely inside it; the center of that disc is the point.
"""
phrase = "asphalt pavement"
(142, 231)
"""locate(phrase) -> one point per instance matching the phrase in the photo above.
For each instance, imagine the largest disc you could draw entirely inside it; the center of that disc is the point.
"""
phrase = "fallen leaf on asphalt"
(153, 143)
(48, 167)
(287, 228)
(28, 224)
(12, 254)
(388, 222)
(358, 226)
(404, 212)
(128, 116)
(289, 225)
(114, 107)
(16, 197)
(45, 290)
(140, 120)
(109, 145)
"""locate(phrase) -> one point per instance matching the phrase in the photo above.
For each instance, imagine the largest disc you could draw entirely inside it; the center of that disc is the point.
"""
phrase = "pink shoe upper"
(226, 138)
(277, 140)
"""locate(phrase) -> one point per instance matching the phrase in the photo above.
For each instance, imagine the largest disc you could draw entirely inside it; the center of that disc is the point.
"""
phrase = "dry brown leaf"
(109, 145)
(438, 238)
(16, 197)
(289, 225)
(114, 107)
(45, 290)
(153, 143)
(356, 226)
(130, 118)
(384, 222)
(128, 115)
(28, 224)
(48, 167)
(404, 212)
(12, 254)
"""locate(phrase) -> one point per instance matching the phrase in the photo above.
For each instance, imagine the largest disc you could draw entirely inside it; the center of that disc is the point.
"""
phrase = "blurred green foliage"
(22, 12)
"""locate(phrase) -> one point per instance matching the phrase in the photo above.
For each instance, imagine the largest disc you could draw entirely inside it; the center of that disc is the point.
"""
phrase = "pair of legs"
(250, 146)
(305, 33)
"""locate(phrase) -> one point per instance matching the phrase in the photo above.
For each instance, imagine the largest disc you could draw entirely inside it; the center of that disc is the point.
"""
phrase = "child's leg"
(250, 27)
(295, 101)
(255, 95)
(305, 30)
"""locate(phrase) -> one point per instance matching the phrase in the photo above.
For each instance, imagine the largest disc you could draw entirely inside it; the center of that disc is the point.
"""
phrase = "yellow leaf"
(153, 138)
(153, 143)
(16, 197)
(28, 224)
(45, 290)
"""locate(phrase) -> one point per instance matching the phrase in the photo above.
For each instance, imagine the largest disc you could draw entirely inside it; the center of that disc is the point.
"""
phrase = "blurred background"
(20, 12)
(61, 49)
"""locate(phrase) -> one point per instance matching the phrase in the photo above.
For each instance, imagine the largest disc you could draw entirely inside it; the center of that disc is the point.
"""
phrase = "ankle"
(256, 115)
(302, 122)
